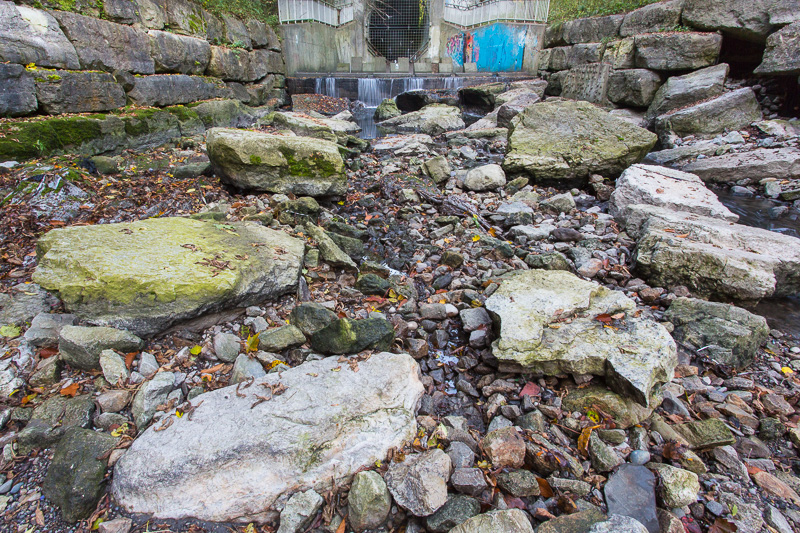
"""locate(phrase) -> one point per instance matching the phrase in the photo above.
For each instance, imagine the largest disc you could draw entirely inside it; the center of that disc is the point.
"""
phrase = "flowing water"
(781, 313)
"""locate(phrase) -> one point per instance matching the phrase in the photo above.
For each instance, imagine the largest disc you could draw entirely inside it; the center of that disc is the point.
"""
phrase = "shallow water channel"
(781, 313)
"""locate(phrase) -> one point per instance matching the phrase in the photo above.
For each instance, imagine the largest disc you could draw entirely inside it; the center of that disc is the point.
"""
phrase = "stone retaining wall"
(623, 59)
(146, 53)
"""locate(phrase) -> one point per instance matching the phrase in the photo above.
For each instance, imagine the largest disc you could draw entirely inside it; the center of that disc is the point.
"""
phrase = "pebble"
(639, 457)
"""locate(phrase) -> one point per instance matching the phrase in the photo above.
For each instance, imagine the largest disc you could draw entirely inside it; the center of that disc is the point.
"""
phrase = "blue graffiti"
(497, 48)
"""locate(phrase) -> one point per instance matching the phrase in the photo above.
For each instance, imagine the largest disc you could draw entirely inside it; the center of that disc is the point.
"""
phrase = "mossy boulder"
(624, 411)
(345, 336)
(276, 163)
(433, 119)
(571, 140)
(90, 134)
(145, 276)
(386, 110)
(75, 479)
(304, 125)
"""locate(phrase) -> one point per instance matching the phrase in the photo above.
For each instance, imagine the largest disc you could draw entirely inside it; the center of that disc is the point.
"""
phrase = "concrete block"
(356, 64)
(343, 67)
(470, 67)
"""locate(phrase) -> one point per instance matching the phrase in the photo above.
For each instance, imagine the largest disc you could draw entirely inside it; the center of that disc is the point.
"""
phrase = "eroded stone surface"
(325, 426)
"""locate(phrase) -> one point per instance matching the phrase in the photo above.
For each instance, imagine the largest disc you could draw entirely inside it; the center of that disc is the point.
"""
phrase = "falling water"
(326, 86)
(373, 91)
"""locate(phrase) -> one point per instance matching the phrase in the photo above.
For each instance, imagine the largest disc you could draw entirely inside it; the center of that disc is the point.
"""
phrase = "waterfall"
(326, 86)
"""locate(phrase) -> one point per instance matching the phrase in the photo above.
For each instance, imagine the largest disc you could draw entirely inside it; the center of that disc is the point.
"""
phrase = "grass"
(263, 10)
(563, 10)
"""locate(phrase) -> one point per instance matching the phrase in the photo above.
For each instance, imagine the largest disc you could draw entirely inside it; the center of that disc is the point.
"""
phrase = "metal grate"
(472, 13)
(398, 28)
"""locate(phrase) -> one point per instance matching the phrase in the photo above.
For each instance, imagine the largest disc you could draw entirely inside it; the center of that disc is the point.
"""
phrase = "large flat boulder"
(745, 19)
(172, 89)
(433, 119)
(713, 257)
(234, 461)
(680, 91)
(634, 356)
(731, 111)
(756, 165)
(277, 163)
(570, 140)
(592, 29)
(145, 276)
(65, 91)
(104, 45)
(322, 128)
(17, 91)
(668, 188)
(782, 55)
(28, 35)
(677, 51)
(633, 87)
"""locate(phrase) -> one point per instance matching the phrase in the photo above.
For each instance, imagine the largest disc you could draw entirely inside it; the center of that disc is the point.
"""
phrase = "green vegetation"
(563, 10)
(263, 10)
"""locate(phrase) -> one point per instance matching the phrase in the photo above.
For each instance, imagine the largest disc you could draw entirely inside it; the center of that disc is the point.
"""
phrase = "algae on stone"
(145, 276)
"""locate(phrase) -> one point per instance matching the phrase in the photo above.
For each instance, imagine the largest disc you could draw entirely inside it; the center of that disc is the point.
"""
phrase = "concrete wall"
(311, 47)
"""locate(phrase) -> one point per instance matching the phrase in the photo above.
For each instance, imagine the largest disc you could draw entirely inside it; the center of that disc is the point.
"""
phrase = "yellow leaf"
(191, 190)
(378, 464)
(275, 363)
(31, 66)
(340, 203)
(196, 349)
(484, 464)
(178, 413)
(583, 441)
(592, 415)
(251, 344)
(786, 370)
(251, 528)
(493, 232)
(476, 238)
(120, 430)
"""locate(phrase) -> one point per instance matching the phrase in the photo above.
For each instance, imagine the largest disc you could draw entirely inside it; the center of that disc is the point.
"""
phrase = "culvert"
(397, 28)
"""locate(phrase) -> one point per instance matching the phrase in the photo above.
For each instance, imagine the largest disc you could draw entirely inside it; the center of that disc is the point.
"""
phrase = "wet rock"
(749, 518)
(81, 347)
(603, 456)
(527, 302)
(433, 119)
(24, 302)
(113, 401)
(318, 127)
(150, 395)
(630, 491)
(53, 418)
(559, 203)
(349, 420)
(774, 486)
(300, 511)
(456, 511)
(678, 487)
(419, 484)
(18, 93)
(345, 336)
(699, 323)
(164, 281)
(483, 96)
(387, 109)
(275, 163)
(485, 178)
(668, 188)
(369, 501)
(75, 479)
(372, 284)
(732, 111)
(329, 251)
(505, 447)
(508, 521)
(544, 142)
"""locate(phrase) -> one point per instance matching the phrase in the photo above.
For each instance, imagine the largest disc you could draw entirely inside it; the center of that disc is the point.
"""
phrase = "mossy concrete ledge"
(276, 163)
(145, 276)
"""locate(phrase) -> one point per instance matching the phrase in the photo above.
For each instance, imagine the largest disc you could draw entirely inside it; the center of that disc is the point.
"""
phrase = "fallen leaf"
(544, 488)
(70, 391)
(10, 331)
(605, 318)
(44, 353)
(583, 441)
(722, 525)
(129, 357)
(213, 369)
(251, 344)
(196, 349)
(342, 526)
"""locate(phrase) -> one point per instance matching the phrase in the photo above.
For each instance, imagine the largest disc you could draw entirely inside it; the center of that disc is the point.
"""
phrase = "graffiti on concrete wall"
(494, 48)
